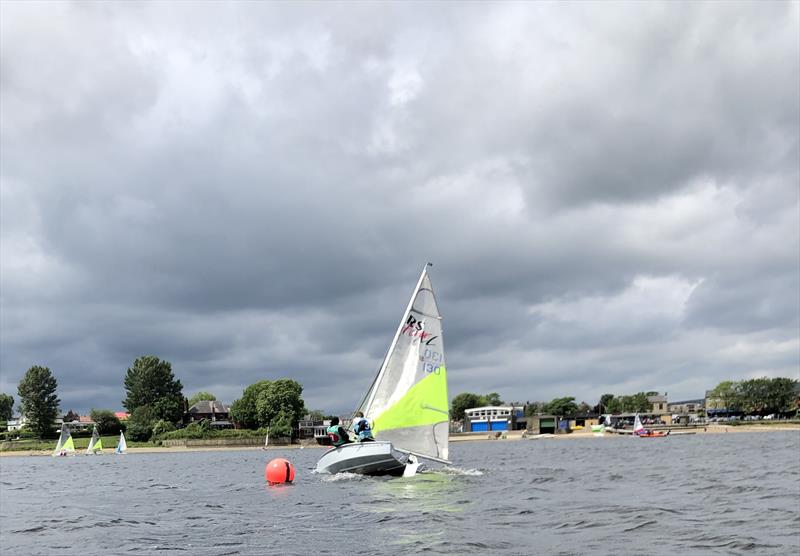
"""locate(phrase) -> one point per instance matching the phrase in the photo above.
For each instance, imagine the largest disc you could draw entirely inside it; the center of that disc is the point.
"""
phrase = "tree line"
(156, 404)
(756, 396)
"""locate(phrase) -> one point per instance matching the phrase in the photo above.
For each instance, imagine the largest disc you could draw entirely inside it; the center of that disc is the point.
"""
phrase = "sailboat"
(122, 446)
(641, 432)
(266, 441)
(65, 445)
(406, 402)
(638, 427)
(600, 428)
(95, 444)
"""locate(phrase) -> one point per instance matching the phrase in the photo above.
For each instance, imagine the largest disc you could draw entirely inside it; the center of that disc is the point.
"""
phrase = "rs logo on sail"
(415, 329)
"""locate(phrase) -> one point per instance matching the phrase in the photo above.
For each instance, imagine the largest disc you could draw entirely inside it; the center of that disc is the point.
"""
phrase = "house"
(212, 410)
(16, 423)
(687, 407)
(121, 415)
(658, 403)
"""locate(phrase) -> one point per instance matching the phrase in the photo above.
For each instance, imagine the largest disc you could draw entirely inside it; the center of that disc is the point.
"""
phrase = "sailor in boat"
(362, 428)
(337, 434)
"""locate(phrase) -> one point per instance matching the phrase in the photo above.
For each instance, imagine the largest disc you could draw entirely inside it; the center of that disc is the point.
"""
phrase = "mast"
(382, 370)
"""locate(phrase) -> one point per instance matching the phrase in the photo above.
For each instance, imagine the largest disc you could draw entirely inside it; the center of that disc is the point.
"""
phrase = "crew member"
(362, 428)
(337, 434)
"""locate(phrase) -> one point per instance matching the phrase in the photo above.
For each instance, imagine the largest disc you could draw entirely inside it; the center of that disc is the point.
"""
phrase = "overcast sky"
(609, 193)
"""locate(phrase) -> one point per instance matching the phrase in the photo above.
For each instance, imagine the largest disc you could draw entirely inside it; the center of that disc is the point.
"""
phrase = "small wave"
(641, 525)
(37, 529)
(343, 476)
(458, 471)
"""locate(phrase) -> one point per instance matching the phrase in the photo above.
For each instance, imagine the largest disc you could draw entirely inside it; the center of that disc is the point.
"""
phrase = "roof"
(86, 419)
(121, 415)
(656, 399)
(206, 406)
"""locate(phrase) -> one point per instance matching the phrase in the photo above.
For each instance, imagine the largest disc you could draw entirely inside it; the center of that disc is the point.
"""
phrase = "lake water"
(701, 494)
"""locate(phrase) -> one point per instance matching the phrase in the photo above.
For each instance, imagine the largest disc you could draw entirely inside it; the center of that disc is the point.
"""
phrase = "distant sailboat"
(95, 444)
(122, 446)
(641, 432)
(65, 445)
(638, 427)
(266, 441)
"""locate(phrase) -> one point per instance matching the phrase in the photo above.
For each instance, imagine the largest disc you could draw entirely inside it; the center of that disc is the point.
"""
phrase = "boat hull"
(365, 458)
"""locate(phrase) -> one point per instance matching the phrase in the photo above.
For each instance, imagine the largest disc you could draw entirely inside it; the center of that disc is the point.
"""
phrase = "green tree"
(492, 399)
(605, 400)
(6, 407)
(462, 402)
(281, 424)
(161, 427)
(140, 423)
(562, 406)
(535, 408)
(106, 421)
(150, 382)
(584, 408)
(244, 411)
(201, 396)
(753, 395)
(725, 396)
(781, 395)
(316, 415)
(38, 399)
(281, 399)
(640, 404)
(614, 405)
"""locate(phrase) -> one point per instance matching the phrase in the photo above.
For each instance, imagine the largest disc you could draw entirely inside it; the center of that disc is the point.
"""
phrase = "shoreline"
(161, 449)
(511, 436)
(587, 433)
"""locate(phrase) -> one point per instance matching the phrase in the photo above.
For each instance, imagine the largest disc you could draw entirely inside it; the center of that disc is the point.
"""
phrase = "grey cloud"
(249, 191)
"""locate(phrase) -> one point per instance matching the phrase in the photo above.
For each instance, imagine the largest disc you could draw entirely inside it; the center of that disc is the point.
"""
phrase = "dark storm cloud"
(609, 193)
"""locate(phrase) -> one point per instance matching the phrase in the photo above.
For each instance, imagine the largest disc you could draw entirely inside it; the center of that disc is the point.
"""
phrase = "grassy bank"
(26, 444)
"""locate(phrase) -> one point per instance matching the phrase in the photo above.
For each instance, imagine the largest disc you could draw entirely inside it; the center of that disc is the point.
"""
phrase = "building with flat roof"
(490, 418)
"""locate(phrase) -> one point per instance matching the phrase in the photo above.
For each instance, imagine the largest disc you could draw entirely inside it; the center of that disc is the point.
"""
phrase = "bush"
(162, 427)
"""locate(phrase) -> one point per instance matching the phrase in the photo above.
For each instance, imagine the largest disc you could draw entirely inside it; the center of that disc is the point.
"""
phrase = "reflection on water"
(429, 491)
(703, 494)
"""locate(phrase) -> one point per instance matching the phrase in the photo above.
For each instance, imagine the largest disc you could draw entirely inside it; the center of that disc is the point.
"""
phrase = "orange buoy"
(279, 471)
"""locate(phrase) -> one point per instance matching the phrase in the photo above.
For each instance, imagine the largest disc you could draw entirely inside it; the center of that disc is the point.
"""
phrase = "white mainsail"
(65, 444)
(122, 446)
(637, 425)
(95, 444)
(407, 403)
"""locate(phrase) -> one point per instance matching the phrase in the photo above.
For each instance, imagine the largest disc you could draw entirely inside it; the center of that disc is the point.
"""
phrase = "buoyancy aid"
(336, 438)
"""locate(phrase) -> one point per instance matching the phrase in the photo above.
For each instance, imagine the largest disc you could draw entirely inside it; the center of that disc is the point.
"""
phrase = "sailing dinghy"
(65, 445)
(122, 446)
(95, 444)
(641, 432)
(407, 402)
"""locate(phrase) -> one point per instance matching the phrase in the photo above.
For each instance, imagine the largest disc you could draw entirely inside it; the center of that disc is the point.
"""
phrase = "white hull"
(366, 458)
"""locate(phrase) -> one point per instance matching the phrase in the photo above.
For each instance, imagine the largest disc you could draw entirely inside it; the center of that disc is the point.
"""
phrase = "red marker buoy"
(279, 471)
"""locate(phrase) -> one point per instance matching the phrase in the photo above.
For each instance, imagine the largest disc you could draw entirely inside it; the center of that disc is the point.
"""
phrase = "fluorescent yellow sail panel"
(69, 445)
(424, 404)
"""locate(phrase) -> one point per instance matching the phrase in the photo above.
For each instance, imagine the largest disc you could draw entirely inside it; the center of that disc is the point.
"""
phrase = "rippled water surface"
(701, 494)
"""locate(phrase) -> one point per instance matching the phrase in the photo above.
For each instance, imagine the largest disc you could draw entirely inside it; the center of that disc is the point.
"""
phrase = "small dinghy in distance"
(407, 401)
(641, 432)
(65, 446)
